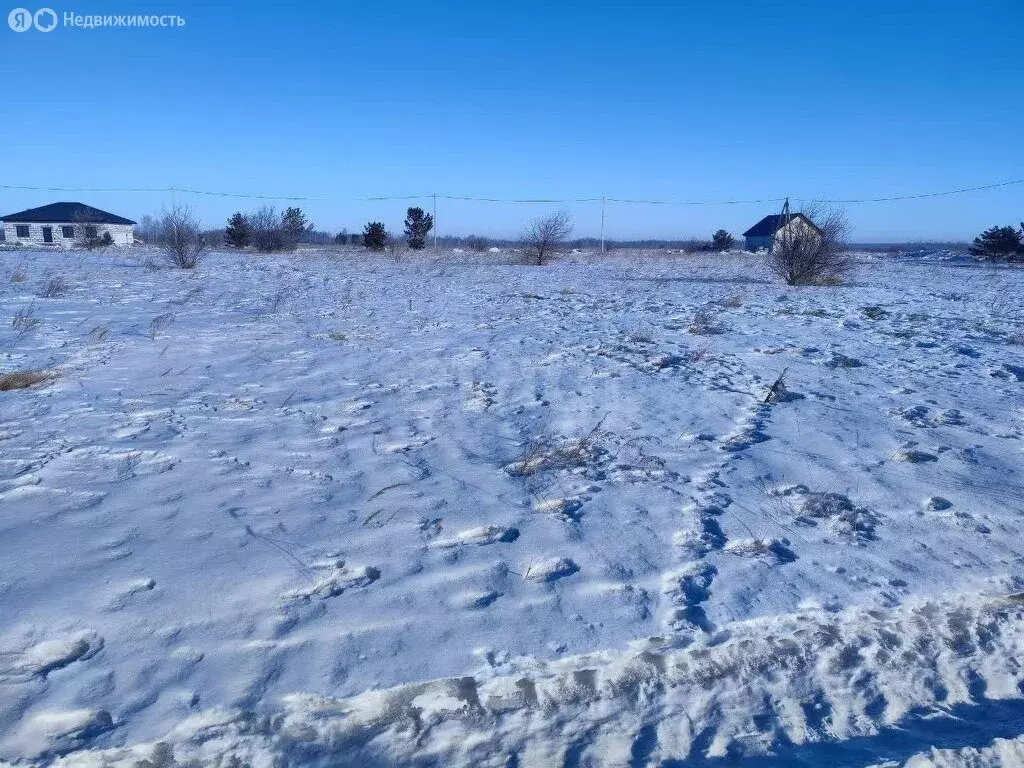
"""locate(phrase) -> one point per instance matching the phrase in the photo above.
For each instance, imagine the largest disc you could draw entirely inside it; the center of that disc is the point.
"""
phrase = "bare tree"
(146, 229)
(545, 235)
(179, 236)
(803, 255)
(266, 232)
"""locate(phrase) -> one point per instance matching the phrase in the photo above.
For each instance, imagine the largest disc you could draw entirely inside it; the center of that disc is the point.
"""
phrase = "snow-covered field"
(318, 509)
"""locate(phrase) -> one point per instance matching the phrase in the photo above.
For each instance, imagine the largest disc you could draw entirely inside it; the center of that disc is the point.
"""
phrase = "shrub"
(375, 236)
(265, 230)
(546, 234)
(417, 225)
(475, 243)
(237, 232)
(90, 238)
(180, 237)
(803, 255)
(397, 250)
(999, 244)
(722, 240)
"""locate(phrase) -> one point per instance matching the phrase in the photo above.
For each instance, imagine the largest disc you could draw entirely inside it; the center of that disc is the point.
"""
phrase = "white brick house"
(65, 225)
(771, 229)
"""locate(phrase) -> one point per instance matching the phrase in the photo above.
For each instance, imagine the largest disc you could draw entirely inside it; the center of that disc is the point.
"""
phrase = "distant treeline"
(917, 245)
(215, 237)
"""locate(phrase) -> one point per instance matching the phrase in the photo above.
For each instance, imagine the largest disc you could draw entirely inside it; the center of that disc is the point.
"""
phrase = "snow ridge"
(807, 677)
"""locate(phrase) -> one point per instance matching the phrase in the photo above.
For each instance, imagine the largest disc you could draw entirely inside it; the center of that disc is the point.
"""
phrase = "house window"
(90, 231)
(67, 232)
(21, 230)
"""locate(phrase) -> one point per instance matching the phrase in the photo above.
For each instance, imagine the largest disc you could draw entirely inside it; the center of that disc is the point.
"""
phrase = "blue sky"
(669, 100)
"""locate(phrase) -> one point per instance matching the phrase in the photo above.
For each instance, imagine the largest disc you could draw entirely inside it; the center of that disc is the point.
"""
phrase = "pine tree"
(998, 243)
(722, 240)
(236, 234)
(294, 226)
(417, 225)
(375, 236)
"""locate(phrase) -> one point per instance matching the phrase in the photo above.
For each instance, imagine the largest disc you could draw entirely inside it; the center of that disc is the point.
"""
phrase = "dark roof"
(65, 213)
(769, 225)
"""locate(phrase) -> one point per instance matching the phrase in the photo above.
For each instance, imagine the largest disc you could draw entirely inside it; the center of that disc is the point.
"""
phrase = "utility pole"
(602, 223)
(784, 220)
(434, 196)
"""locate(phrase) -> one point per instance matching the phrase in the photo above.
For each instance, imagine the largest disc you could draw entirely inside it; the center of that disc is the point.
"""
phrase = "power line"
(931, 194)
(527, 201)
(694, 202)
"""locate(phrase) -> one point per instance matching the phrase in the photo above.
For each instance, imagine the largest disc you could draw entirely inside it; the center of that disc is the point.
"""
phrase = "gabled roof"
(769, 225)
(65, 213)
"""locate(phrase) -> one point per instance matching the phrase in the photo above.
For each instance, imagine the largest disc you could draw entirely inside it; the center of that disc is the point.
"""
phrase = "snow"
(326, 509)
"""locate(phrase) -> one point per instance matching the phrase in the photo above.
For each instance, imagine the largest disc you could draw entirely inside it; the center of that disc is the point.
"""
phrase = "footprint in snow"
(568, 509)
(59, 730)
(481, 396)
(407, 446)
(1017, 371)
(475, 599)
(772, 550)
(339, 579)
(967, 520)
(128, 591)
(551, 570)
(911, 455)
(482, 535)
(686, 588)
(39, 659)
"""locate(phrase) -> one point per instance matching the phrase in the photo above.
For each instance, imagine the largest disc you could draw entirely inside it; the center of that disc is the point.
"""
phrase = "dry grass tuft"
(160, 323)
(25, 321)
(54, 287)
(705, 324)
(731, 302)
(700, 354)
(547, 452)
(24, 379)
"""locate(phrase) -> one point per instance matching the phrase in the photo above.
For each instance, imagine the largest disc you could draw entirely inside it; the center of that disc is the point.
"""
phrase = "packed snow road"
(320, 509)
